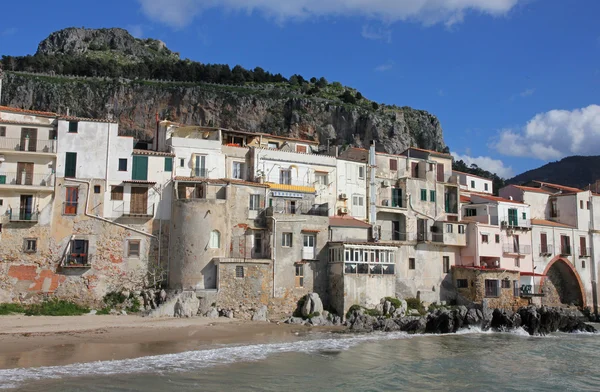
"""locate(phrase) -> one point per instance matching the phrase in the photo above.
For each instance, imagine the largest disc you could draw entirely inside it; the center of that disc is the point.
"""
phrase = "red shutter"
(393, 164)
(440, 172)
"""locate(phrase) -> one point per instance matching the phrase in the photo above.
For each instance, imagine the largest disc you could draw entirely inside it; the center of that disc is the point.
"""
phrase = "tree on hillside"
(497, 182)
(347, 97)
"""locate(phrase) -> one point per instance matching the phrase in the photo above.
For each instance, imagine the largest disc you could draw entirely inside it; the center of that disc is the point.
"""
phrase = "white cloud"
(554, 134)
(487, 163)
(136, 30)
(179, 13)
(441, 93)
(385, 66)
(8, 31)
(528, 92)
(379, 33)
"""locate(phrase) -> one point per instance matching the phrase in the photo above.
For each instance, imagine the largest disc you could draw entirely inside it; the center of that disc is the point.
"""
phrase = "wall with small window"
(351, 178)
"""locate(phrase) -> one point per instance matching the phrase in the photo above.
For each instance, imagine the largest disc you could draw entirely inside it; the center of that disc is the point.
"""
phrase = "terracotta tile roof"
(310, 231)
(223, 181)
(465, 199)
(498, 199)
(471, 175)
(544, 222)
(292, 188)
(429, 151)
(155, 153)
(26, 111)
(347, 221)
(355, 154)
(139, 182)
(36, 124)
(557, 186)
(85, 119)
(531, 189)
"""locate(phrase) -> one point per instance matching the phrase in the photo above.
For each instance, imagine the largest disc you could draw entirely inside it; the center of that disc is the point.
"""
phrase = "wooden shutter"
(440, 172)
(116, 192)
(71, 199)
(300, 148)
(139, 200)
(26, 167)
(582, 247)
(70, 164)
(543, 243)
(140, 168)
(31, 134)
(393, 164)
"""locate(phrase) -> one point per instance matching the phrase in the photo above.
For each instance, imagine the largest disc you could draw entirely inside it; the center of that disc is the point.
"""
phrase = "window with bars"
(239, 271)
(462, 283)
(133, 248)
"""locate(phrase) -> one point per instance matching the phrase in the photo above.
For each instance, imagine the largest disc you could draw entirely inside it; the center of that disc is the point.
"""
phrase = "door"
(70, 164)
(24, 173)
(396, 233)
(140, 168)
(139, 201)
(516, 243)
(440, 172)
(513, 218)
(565, 245)
(26, 208)
(200, 166)
(396, 197)
(543, 243)
(28, 139)
(71, 200)
(308, 247)
(421, 230)
(414, 170)
(582, 247)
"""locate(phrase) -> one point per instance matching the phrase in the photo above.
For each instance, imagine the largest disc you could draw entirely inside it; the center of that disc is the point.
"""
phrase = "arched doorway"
(562, 284)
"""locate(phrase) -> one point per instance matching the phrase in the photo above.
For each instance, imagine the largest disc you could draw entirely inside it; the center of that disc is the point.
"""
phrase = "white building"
(472, 183)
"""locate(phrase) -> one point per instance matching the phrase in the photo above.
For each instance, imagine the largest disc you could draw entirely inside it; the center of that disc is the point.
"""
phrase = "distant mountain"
(575, 171)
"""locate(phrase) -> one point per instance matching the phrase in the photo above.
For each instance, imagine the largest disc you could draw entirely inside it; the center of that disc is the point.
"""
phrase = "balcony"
(26, 145)
(585, 252)
(565, 250)
(515, 223)
(530, 290)
(125, 210)
(546, 250)
(308, 253)
(23, 216)
(24, 179)
(77, 260)
(516, 249)
(392, 203)
(393, 235)
(297, 208)
(200, 172)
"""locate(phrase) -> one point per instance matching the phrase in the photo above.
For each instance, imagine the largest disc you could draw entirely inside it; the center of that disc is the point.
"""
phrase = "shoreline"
(39, 341)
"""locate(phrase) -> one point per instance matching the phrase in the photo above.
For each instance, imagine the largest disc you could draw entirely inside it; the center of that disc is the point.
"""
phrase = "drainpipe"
(89, 186)
(593, 259)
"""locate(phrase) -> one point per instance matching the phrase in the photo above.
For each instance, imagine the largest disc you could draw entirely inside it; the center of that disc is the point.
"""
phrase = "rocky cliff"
(298, 108)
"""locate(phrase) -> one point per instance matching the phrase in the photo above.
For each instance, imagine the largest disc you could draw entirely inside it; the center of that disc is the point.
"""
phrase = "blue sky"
(515, 83)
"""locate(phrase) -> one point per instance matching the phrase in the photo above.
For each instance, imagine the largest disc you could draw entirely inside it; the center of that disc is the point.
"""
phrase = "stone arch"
(562, 283)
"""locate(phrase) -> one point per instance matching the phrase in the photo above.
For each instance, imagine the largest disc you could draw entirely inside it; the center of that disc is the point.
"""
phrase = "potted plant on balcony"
(260, 176)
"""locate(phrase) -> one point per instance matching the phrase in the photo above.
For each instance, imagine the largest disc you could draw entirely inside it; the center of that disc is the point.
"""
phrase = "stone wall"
(475, 291)
(252, 291)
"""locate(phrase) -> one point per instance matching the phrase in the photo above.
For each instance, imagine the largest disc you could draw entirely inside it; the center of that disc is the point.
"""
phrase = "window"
(396, 197)
(358, 200)
(215, 239)
(73, 125)
(321, 179)
(588, 205)
(255, 202)
(71, 200)
(471, 212)
(461, 229)
(497, 238)
(446, 260)
(524, 215)
(414, 170)
(583, 264)
(491, 288)
(52, 134)
(70, 164)
(273, 145)
(116, 192)
(286, 240)
(30, 245)
(431, 195)
(299, 275)
(361, 172)
(1, 202)
(544, 244)
(301, 148)
(2, 131)
(423, 194)
(258, 241)
(517, 262)
(236, 171)
(133, 248)
(513, 217)
(168, 164)
(581, 204)
(583, 251)
(565, 245)
(181, 162)
(472, 184)
(449, 228)
(393, 165)
(485, 186)
(97, 188)
(506, 284)
(411, 263)
(122, 164)
(285, 177)
(484, 238)
(462, 283)
(239, 271)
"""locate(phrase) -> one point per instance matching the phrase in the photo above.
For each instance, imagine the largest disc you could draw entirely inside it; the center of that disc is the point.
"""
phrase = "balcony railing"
(510, 223)
(546, 249)
(24, 178)
(77, 260)
(585, 252)
(23, 216)
(26, 145)
(530, 290)
(565, 250)
(393, 235)
(516, 249)
(125, 210)
(351, 267)
(200, 172)
(393, 203)
(298, 208)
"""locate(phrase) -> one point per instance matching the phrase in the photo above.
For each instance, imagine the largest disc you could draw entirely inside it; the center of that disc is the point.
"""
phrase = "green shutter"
(524, 215)
(396, 197)
(71, 164)
(73, 126)
(168, 164)
(513, 219)
(2, 179)
(431, 195)
(139, 170)
(424, 194)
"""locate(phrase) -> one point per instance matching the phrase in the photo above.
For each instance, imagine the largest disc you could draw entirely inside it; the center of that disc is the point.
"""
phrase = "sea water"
(471, 360)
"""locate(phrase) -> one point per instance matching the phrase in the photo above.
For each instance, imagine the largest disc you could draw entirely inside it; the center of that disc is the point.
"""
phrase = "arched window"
(215, 239)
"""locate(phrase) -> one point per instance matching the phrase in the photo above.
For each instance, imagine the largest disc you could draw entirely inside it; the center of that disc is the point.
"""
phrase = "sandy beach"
(55, 341)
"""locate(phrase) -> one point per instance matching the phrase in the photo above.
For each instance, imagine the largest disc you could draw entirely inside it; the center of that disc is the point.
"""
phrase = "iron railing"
(517, 249)
(585, 252)
(200, 172)
(26, 145)
(393, 235)
(74, 260)
(25, 178)
(565, 250)
(530, 290)
(509, 223)
(546, 249)
(298, 208)
(22, 216)
(125, 210)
